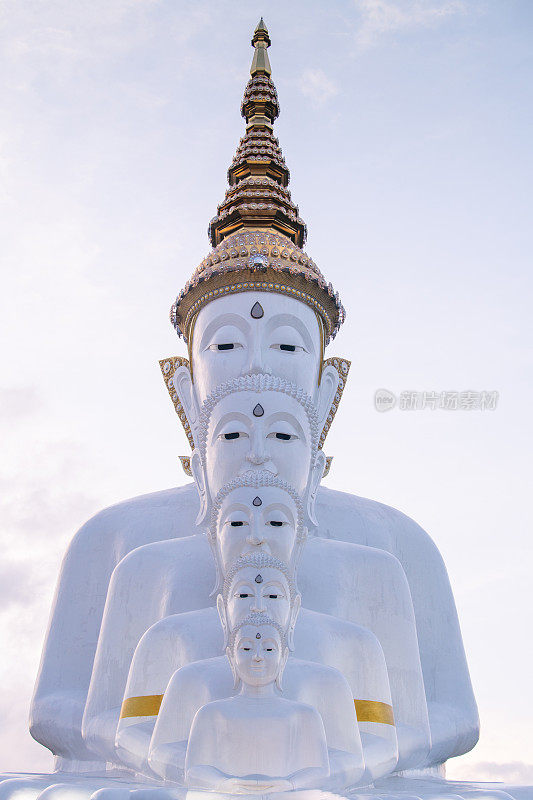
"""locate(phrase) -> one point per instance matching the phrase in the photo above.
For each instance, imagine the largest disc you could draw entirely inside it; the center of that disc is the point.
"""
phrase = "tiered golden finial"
(258, 176)
(257, 235)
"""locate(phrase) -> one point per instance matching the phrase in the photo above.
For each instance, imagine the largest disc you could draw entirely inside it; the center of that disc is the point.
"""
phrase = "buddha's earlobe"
(295, 609)
(221, 608)
(184, 389)
(327, 390)
(279, 676)
(236, 679)
(316, 474)
(198, 474)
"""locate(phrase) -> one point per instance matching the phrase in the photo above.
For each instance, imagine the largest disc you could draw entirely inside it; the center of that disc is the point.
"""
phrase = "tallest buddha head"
(257, 303)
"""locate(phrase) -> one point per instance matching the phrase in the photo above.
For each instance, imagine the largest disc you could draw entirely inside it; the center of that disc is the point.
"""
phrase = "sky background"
(406, 125)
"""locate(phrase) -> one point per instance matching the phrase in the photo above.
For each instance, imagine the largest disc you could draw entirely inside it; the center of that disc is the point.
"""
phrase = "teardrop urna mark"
(257, 311)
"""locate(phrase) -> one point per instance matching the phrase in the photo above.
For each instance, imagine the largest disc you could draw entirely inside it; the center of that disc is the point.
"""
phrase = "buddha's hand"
(253, 786)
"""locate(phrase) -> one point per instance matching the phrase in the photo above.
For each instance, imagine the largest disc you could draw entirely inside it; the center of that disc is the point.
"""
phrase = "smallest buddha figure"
(257, 741)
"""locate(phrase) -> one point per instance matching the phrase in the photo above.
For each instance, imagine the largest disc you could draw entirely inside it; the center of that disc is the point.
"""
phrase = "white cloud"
(382, 17)
(315, 84)
(19, 401)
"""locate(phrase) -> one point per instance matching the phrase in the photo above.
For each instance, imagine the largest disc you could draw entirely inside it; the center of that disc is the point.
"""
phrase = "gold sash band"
(374, 711)
(147, 706)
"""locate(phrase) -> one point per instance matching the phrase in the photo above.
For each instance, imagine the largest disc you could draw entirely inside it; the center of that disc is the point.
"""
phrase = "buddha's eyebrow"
(231, 416)
(283, 508)
(291, 321)
(290, 419)
(222, 321)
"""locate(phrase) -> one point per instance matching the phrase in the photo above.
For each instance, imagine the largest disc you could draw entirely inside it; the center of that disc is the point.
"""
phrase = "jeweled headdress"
(257, 234)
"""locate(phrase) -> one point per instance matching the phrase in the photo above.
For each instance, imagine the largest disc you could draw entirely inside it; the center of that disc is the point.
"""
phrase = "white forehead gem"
(259, 579)
(257, 501)
(257, 635)
(258, 410)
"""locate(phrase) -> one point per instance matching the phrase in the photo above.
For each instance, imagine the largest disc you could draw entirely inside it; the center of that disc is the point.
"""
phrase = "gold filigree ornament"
(186, 465)
(168, 369)
(170, 365)
(342, 365)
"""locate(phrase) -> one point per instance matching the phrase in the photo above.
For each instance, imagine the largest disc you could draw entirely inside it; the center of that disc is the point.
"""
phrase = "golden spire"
(258, 177)
(257, 235)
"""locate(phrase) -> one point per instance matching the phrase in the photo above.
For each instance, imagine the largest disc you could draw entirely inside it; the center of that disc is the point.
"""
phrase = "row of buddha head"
(256, 400)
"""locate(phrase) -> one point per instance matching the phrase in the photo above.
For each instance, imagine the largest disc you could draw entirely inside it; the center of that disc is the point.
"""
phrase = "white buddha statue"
(255, 583)
(258, 741)
(256, 304)
(133, 605)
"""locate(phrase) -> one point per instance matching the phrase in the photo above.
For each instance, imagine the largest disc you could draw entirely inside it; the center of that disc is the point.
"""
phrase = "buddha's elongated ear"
(169, 366)
(279, 676)
(295, 609)
(236, 679)
(315, 476)
(332, 383)
(198, 473)
(327, 389)
(221, 608)
(185, 391)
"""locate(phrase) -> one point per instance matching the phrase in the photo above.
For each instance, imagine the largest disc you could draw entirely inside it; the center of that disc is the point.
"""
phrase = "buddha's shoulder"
(352, 518)
(168, 554)
(166, 514)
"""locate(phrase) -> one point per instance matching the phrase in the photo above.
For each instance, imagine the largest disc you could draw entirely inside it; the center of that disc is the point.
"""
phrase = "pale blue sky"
(407, 128)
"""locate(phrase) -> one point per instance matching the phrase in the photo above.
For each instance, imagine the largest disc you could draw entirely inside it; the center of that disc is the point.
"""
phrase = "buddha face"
(257, 654)
(250, 431)
(253, 520)
(259, 589)
(253, 332)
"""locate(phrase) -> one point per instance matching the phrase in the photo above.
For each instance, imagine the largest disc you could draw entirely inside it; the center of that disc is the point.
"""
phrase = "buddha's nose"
(256, 363)
(258, 454)
(258, 604)
(256, 538)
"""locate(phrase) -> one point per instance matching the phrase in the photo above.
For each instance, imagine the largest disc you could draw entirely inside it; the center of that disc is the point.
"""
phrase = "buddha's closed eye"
(282, 437)
(225, 346)
(276, 523)
(287, 348)
(234, 435)
(237, 523)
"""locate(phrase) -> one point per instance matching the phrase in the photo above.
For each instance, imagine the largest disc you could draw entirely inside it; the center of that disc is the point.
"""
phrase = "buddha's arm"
(70, 643)
(67, 659)
(310, 748)
(452, 708)
(167, 760)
